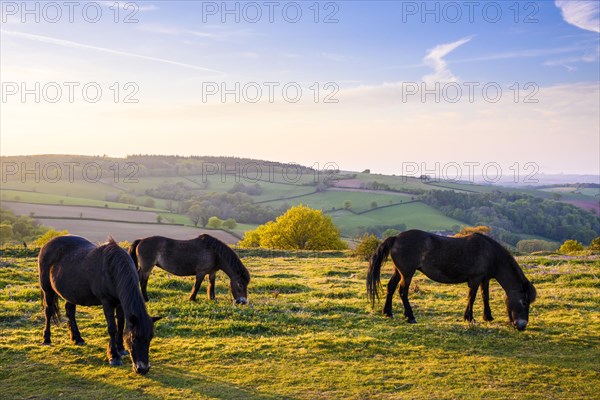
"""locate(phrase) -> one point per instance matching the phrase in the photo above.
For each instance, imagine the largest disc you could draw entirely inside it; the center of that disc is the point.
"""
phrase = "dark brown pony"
(474, 259)
(199, 256)
(88, 275)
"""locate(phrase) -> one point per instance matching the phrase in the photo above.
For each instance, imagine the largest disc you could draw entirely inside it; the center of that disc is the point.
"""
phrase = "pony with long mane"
(199, 256)
(88, 275)
(473, 259)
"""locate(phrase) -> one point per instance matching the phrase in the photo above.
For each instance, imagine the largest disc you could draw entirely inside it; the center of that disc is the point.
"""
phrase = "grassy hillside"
(413, 215)
(280, 186)
(309, 333)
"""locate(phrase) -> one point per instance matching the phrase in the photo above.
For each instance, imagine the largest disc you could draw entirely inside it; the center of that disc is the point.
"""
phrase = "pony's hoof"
(46, 343)
(115, 362)
(412, 321)
(390, 316)
(80, 342)
(488, 319)
(123, 352)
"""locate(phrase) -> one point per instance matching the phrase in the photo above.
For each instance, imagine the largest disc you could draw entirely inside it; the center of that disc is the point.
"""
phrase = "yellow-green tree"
(214, 223)
(570, 246)
(469, 230)
(300, 228)
(48, 236)
(366, 247)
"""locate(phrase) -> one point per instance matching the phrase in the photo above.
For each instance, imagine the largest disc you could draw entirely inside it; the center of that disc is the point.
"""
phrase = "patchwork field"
(309, 333)
(98, 231)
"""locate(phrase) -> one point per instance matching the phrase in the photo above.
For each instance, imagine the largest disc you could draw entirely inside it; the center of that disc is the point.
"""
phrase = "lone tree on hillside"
(214, 222)
(300, 228)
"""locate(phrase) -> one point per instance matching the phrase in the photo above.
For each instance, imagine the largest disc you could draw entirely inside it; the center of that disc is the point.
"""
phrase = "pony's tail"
(374, 273)
(133, 252)
(48, 296)
(52, 306)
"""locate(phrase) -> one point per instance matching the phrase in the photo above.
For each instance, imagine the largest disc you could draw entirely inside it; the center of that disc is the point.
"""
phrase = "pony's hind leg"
(391, 288)
(404, 286)
(50, 301)
(197, 284)
(210, 290)
(144, 274)
(72, 324)
(485, 293)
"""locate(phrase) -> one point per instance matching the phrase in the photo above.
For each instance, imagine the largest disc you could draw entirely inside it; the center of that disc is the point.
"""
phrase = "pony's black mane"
(126, 280)
(227, 255)
(508, 258)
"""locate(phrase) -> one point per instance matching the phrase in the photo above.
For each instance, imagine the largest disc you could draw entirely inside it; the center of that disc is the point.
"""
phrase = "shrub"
(389, 233)
(469, 230)
(48, 236)
(214, 223)
(229, 223)
(570, 246)
(533, 245)
(300, 228)
(595, 245)
(366, 247)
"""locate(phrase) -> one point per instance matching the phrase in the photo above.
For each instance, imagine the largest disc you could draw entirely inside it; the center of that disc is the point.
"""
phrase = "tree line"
(511, 214)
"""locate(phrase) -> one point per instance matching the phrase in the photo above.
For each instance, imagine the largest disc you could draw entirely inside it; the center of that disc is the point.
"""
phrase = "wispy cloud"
(583, 14)
(215, 32)
(129, 6)
(567, 62)
(435, 60)
(76, 45)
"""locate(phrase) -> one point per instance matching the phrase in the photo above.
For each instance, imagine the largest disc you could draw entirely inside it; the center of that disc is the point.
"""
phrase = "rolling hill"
(83, 194)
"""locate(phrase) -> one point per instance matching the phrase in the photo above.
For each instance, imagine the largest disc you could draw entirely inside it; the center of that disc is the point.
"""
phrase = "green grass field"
(309, 333)
(46, 198)
(414, 215)
(360, 201)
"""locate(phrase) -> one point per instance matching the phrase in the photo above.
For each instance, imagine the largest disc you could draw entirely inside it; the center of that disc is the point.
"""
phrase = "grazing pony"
(199, 256)
(473, 259)
(88, 275)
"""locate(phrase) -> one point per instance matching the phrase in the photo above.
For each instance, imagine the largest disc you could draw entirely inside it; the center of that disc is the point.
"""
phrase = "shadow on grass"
(182, 379)
(32, 376)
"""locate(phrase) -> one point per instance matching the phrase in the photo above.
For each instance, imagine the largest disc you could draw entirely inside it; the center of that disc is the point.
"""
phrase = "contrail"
(75, 45)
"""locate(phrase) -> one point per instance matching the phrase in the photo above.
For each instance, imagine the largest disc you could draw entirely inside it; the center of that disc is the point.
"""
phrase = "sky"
(390, 86)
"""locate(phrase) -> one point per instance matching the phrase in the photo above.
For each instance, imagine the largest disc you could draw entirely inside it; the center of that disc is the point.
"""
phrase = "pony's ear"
(133, 320)
(154, 319)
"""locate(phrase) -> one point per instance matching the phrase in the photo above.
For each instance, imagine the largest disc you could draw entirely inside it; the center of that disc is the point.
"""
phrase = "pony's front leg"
(473, 285)
(391, 288)
(72, 324)
(199, 279)
(114, 357)
(485, 293)
(210, 290)
(120, 327)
